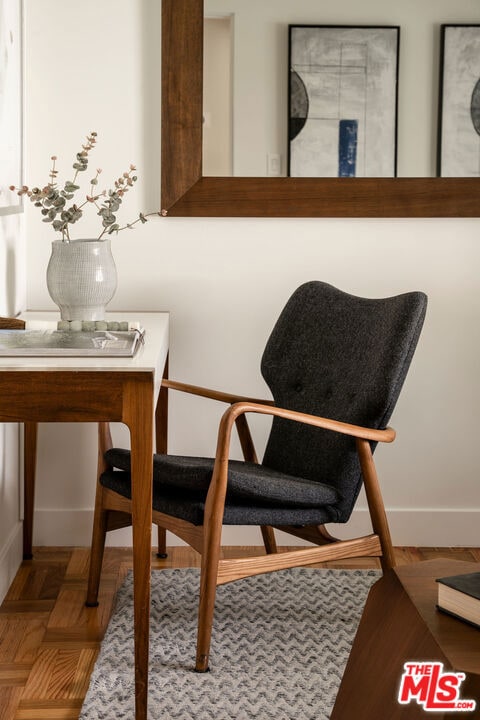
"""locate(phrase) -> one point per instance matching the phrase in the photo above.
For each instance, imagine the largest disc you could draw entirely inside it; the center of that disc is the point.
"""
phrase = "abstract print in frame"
(343, 96)
(10, 104)
(459, 102)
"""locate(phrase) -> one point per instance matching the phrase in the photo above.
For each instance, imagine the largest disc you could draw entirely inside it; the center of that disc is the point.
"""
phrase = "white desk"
(91, 389)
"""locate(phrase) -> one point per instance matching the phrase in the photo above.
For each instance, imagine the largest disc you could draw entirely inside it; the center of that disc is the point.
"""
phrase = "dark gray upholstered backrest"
(338, 356)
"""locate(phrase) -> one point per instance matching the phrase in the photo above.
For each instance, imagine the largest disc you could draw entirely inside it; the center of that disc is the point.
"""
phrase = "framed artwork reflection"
(459, 102)
(10, 104)
(343, 98)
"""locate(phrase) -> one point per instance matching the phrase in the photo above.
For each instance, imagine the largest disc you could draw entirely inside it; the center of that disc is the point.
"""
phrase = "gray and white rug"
(280, 644)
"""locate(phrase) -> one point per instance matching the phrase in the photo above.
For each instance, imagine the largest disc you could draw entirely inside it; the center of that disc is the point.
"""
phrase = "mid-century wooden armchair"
(335, 364)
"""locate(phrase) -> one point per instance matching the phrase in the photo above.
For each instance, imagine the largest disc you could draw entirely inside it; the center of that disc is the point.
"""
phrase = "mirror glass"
(246, 77)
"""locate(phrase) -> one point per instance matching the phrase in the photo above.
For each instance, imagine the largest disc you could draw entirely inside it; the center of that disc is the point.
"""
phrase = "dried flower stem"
(53, 201)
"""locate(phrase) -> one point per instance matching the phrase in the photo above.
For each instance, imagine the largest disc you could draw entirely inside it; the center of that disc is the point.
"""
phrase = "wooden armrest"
(212, 394)
(244, 435)
(357, 431)
(218, 486)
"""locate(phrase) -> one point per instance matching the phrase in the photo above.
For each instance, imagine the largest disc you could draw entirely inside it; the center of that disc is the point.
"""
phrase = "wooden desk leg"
(29, 467)
(161, 442)
(138, 415)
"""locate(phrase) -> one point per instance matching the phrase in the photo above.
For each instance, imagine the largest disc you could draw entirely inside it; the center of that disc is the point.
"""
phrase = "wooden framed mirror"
(186, 193)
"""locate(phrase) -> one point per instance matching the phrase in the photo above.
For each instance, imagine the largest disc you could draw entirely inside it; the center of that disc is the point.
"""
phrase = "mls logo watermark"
(428, 685)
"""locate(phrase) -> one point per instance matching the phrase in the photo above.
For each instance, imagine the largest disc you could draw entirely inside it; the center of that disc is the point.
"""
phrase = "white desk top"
(149, 357)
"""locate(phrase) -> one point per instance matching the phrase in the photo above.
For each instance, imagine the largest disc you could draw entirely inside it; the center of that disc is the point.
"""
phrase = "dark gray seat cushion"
(190, 506)
(247, 482)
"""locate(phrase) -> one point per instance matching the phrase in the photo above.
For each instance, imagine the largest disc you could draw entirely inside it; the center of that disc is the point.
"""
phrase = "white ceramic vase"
(81, 278)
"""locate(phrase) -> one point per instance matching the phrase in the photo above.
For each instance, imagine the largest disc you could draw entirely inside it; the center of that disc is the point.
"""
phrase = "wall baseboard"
(421, 528)
(10, 558)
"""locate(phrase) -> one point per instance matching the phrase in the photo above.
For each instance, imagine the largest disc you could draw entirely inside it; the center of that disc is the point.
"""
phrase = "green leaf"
(70, 187)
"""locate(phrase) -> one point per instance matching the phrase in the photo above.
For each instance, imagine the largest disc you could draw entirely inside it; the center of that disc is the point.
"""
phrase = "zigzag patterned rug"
(280, 644)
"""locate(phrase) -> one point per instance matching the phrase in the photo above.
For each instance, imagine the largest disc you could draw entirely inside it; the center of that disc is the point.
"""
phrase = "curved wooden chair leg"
(162, 543)
(212, 532)
(206, 609)
(375, 504)
(269, 540)
(99, 534)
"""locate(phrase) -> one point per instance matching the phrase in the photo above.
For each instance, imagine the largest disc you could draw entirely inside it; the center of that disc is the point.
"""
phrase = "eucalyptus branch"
(53, 172)
(141, 219)
(52, 200)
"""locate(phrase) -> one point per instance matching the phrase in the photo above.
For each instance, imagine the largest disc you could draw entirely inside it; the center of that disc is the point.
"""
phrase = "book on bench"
(459, 595)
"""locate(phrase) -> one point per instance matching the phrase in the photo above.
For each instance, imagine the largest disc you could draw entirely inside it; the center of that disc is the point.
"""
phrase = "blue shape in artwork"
(347, 148)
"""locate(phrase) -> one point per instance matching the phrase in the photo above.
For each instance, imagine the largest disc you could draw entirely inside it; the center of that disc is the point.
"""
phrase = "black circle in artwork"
(298, 104)
(475, 107)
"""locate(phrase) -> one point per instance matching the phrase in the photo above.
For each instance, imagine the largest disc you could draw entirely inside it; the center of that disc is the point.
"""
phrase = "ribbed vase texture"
(81, 278)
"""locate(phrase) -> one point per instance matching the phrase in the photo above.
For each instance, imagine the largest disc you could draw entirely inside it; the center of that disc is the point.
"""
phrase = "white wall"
(217, 97)
(96, 66)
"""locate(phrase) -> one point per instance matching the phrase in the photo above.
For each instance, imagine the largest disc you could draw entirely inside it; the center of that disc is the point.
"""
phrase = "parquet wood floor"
(49, 641)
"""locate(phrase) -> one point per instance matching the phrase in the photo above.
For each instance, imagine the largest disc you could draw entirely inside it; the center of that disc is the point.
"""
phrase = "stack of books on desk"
(459, 595)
